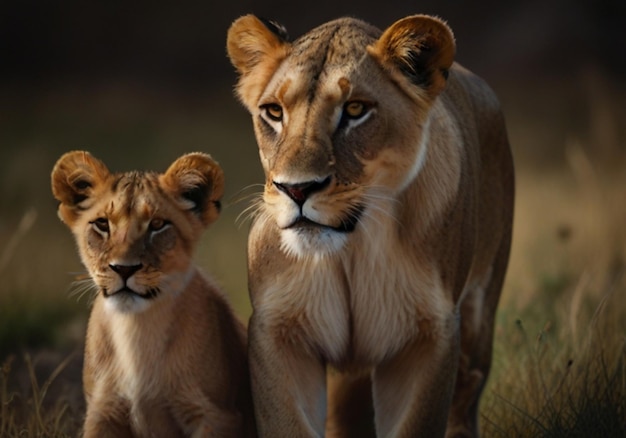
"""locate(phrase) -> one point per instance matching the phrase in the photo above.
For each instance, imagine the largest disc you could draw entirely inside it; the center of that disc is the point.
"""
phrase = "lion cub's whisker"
(80, 288)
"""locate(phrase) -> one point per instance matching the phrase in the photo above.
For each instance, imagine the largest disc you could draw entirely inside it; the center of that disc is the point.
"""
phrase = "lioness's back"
(491, 160)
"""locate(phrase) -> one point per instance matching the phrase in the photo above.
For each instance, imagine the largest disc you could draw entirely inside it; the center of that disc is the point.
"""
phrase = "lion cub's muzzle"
(125, 272)
(300, 192)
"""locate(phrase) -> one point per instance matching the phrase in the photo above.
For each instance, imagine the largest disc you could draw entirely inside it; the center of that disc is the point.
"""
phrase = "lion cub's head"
(340, 116)
(136, 231)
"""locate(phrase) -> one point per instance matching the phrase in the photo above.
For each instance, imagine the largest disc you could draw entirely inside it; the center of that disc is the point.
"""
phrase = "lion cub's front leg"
(198, 417)
(107, 417)
(105, 428)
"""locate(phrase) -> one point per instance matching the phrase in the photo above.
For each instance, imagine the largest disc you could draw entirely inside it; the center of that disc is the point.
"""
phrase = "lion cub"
(164, 354)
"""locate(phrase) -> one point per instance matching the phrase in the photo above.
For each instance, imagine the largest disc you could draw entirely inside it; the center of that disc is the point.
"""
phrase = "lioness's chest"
(360, 309)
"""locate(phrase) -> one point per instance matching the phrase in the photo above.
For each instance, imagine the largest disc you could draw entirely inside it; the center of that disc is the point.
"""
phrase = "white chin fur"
(171, 284)
(126, 303)
(307, 242)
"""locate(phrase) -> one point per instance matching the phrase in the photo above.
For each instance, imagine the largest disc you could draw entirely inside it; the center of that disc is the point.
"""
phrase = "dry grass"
(559, 368)
(36, 412)
(553, 381)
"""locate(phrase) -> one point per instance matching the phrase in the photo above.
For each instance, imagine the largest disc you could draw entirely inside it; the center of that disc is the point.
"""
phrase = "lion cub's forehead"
(132, 195)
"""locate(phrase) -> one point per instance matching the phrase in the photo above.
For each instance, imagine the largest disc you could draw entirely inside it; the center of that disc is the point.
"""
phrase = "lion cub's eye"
(157, 224)
(354, 109)
(101, 224)
(273, 111)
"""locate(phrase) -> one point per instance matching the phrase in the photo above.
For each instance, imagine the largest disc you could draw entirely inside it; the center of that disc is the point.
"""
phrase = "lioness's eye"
(102, 224)
(273, 111)
(157, 224)
(354, 109)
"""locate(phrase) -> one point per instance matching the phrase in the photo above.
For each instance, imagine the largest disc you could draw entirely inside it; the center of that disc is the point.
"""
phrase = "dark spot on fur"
(115, 184)
(82, 184)
(78, 198)
(198, 196)
(80, 187)
(414, 66)
(152, 293)
(276, 28)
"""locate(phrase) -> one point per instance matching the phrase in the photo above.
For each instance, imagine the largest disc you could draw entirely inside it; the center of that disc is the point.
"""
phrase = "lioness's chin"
(312, 241)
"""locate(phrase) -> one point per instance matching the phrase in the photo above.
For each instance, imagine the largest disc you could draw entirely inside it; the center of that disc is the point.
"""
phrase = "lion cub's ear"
(196, 181)
(75, 178)
(421, 47)
(256, 46)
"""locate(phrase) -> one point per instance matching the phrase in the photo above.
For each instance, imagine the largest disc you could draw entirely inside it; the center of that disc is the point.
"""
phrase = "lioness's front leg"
(413, 390)
(288, 381)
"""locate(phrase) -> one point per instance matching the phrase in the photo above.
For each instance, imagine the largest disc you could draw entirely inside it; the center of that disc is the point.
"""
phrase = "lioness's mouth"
(148, 295)
(347, 225)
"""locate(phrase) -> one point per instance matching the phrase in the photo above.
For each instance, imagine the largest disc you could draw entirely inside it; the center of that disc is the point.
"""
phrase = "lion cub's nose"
(125, 271)
(299, 192)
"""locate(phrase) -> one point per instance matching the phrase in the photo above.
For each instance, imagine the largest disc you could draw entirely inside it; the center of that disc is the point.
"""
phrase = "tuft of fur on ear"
(75, 177)
(250, 43)
(197, 182)
(250, 39)
(421, 48)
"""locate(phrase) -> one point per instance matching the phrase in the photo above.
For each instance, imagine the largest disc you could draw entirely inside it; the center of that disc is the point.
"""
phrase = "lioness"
(383, 237)
(165, 355)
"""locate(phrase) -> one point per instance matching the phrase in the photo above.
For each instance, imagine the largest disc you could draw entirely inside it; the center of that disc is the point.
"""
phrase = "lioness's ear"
(421, 47)
(250, 39)
(250, 42)
(197, 182)
(75, 177)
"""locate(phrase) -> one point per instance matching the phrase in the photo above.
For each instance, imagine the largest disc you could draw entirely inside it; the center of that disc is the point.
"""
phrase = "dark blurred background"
(139, 83)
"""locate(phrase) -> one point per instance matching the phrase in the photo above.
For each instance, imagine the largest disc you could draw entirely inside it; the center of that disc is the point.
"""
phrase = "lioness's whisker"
(250, 212)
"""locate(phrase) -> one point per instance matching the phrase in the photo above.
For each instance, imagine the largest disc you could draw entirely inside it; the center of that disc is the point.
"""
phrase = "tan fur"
(165, 355)
(382, 241)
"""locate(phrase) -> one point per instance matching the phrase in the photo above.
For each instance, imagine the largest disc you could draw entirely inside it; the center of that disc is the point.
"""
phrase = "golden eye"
(354, 109)
(157, 224)
(101, 224)
(274, 112)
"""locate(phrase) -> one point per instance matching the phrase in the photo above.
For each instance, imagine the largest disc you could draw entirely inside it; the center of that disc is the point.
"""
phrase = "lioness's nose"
(125, 271)
(299, 192)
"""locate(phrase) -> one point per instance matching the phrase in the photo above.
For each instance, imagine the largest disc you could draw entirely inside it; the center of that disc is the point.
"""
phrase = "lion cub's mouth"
(348, 224)
(148, 295)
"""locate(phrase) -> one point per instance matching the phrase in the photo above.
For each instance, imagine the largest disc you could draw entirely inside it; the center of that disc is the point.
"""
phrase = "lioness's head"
(136, 231)
(339, 116)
